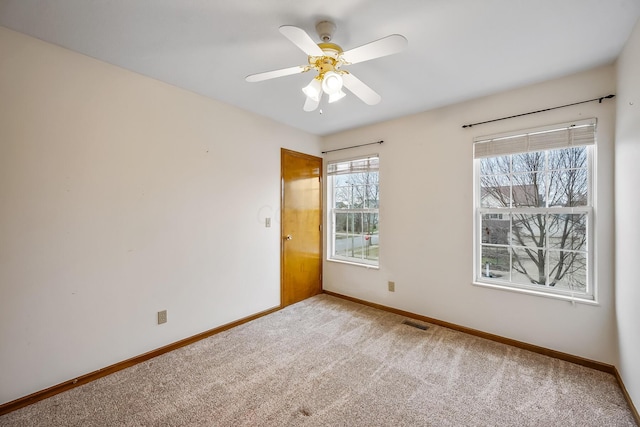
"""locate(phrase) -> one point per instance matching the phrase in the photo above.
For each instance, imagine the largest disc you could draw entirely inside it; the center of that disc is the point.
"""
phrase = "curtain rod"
(353, 146)
(540, 111)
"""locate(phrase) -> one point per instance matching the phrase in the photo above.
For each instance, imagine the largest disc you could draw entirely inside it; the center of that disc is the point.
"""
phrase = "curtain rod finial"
(605, 97)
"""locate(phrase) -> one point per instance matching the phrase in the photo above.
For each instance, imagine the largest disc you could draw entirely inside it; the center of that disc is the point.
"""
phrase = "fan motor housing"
(330, 49)
(324, 64)
(330, 61)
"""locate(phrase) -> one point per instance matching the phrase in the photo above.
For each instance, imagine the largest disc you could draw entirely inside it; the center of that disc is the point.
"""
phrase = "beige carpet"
(329, 362)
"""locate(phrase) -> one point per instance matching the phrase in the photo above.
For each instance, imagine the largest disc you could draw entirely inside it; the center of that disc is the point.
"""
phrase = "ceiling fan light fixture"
(327, 59)
(336, 96)
(313, 90)
(332, 82)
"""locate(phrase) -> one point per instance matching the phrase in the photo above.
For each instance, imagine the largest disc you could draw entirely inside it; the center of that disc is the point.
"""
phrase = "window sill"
(560, 297)
(356, 264)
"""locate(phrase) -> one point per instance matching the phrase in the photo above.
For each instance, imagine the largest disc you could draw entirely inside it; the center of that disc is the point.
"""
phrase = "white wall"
(426, 219)
(121, 196)
(627, 203)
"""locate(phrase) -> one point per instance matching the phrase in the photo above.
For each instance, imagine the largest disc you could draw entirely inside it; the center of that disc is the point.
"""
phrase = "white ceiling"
(458, 49)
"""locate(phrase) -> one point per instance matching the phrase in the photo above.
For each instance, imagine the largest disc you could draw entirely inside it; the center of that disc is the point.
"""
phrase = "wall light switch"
(267, 222)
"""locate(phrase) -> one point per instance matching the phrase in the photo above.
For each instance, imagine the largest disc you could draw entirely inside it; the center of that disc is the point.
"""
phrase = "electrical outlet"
(162, 317)
(392, 286)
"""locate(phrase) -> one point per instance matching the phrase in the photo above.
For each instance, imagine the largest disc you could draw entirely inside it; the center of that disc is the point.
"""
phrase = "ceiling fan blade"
(310, 104)
(275, 73)
(300, 38)
(376, 49)
(361, 90)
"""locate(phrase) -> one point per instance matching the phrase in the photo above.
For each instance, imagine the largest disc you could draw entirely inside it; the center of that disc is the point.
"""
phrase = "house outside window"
(354, 199)
(534, 212)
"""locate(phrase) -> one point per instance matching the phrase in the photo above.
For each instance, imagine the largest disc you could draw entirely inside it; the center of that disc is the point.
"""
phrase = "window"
(534, 210)
(354, 199)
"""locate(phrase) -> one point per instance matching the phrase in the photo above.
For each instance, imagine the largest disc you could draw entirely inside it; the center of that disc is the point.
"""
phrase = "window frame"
(590, 296)
(332, 211)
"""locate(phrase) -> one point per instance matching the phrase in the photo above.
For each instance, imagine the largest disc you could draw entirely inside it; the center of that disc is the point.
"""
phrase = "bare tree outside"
(526, 232)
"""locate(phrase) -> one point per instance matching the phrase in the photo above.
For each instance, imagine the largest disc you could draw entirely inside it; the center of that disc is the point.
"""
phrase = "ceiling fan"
(328, 59)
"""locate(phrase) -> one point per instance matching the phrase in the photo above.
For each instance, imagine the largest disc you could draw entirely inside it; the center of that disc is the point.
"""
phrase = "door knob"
(288, 237)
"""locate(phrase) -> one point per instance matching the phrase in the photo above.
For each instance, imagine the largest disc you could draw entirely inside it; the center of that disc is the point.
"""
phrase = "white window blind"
(367, 164)
(559, 136)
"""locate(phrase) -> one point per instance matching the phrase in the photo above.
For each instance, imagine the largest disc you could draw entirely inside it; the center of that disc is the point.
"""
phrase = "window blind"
(549, 138)
(366, 164)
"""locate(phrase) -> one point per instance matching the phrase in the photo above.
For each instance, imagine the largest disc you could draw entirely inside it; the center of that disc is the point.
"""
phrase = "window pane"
(529, 162)
(529, 266)
(342, 245)
(568, 270)
(494, 262)
(568, 231)
(495, 229)
(355, 223)
(341, 222)
(356, 191)
(495, 191)
(357, 246)
(372, 196)
(358, 196)
(342, 192)
(495, 165)
(529, 189)
(372, 247)
(568, 177)
(568, 158)
(568, 187)
(370, 223)
(529, 230)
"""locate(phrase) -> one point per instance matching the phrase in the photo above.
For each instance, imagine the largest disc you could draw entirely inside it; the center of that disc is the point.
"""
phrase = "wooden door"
(301, 226)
